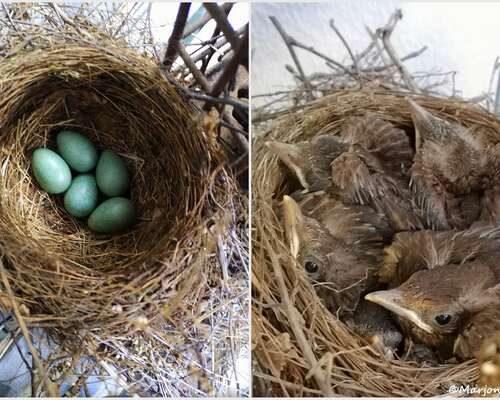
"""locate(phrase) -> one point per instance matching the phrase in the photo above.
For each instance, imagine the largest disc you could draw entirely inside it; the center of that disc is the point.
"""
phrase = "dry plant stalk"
(286, 364)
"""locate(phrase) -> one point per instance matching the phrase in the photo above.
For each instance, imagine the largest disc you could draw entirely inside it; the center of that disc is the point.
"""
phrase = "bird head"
(309, 161)
(307, 238)
(318, 233)
(429, 126)
(437, 301)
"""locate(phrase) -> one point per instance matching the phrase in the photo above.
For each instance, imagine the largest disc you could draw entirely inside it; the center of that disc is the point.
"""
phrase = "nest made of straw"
(299, 347)
(63, 275)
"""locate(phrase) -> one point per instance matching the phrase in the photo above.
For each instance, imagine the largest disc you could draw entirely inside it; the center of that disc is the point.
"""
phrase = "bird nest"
(61, 274)
(301, 348)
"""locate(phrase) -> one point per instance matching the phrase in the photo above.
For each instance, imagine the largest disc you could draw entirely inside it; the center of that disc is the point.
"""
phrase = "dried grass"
(299, 347)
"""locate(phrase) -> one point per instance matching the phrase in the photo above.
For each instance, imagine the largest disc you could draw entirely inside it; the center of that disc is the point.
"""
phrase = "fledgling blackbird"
(413, 251)
(360, 178)
(309, 161)
(452, 166)
(366, 164)
(376, 326)
(339, 246)
(454, 316)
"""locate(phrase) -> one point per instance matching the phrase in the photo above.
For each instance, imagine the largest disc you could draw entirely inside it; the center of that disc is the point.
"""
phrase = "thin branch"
(198, 75)
(200, 23)
(220, 16)
(348, 48)
(173, 41)
(290, 42)
(385, 34)
(220, 100)
(241, 51)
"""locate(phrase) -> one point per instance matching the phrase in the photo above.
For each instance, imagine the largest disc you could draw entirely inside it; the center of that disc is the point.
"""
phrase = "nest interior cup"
(66, 275)
(356, 370)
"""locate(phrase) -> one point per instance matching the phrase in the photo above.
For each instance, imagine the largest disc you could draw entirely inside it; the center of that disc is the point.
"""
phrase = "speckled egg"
(114, 215)
(78, 151)
(81, 197)
(50, 171)
(111, 174)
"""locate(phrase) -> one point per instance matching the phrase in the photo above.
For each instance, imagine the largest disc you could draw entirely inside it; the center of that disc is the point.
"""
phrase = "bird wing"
(390, 145)
(410, 252)
(430, 193)
(478, 328)
(413, 251)
(361, 179)
(353, 224)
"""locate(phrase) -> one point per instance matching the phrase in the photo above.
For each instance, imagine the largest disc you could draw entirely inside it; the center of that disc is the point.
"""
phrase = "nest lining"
(66, 275)
(302, 349)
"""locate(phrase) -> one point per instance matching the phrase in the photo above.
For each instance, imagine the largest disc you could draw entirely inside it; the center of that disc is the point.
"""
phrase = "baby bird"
(366, 164)
(376, 326)
(450, 292)
(454, 316)
(413, 251)
(451, 166)
(309, 161)
(339, 247)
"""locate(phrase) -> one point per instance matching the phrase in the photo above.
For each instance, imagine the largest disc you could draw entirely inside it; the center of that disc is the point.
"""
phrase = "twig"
(219, 15)
(290, 42)
(385, 34)
(202, 22)
(348, 48)
(496, 108)
(295, 324)
(220, 100)
(49, 386)
(241, 51)
(198, 75)
(69, 21)
(173, 41)
(7, 13)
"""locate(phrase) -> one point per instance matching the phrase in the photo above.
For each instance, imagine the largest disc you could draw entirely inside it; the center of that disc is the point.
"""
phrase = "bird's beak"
(420, 118)
(291, 215)
(393, 300)
(291, 155)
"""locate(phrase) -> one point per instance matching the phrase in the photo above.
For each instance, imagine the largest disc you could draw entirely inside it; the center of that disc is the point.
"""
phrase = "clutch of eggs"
(81, 173)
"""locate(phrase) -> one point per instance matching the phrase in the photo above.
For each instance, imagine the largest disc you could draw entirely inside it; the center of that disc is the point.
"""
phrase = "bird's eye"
(311, 267)
(443, 319)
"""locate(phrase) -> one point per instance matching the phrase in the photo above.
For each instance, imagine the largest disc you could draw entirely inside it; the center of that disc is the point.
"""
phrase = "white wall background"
(459, 36)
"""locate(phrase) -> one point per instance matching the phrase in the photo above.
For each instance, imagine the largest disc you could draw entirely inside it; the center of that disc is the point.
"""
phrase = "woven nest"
(65, 276)
(300, 348)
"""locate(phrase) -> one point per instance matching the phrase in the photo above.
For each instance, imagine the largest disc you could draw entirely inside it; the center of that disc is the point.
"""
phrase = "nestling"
(339, 247)
(451, 302)
(452, 165)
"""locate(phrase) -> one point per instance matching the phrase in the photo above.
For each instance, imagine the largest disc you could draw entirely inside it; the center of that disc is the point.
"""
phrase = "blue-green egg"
(78, 151)
(111, 174)
(81, 197)
(51, 171)
(114, 215)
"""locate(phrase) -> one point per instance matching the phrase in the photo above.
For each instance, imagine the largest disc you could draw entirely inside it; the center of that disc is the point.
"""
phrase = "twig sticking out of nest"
(377, 66)
(286, 308)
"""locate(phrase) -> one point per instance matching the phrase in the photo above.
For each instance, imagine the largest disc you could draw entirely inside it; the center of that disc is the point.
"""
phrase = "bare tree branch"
(219, 15)
(173, 42)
